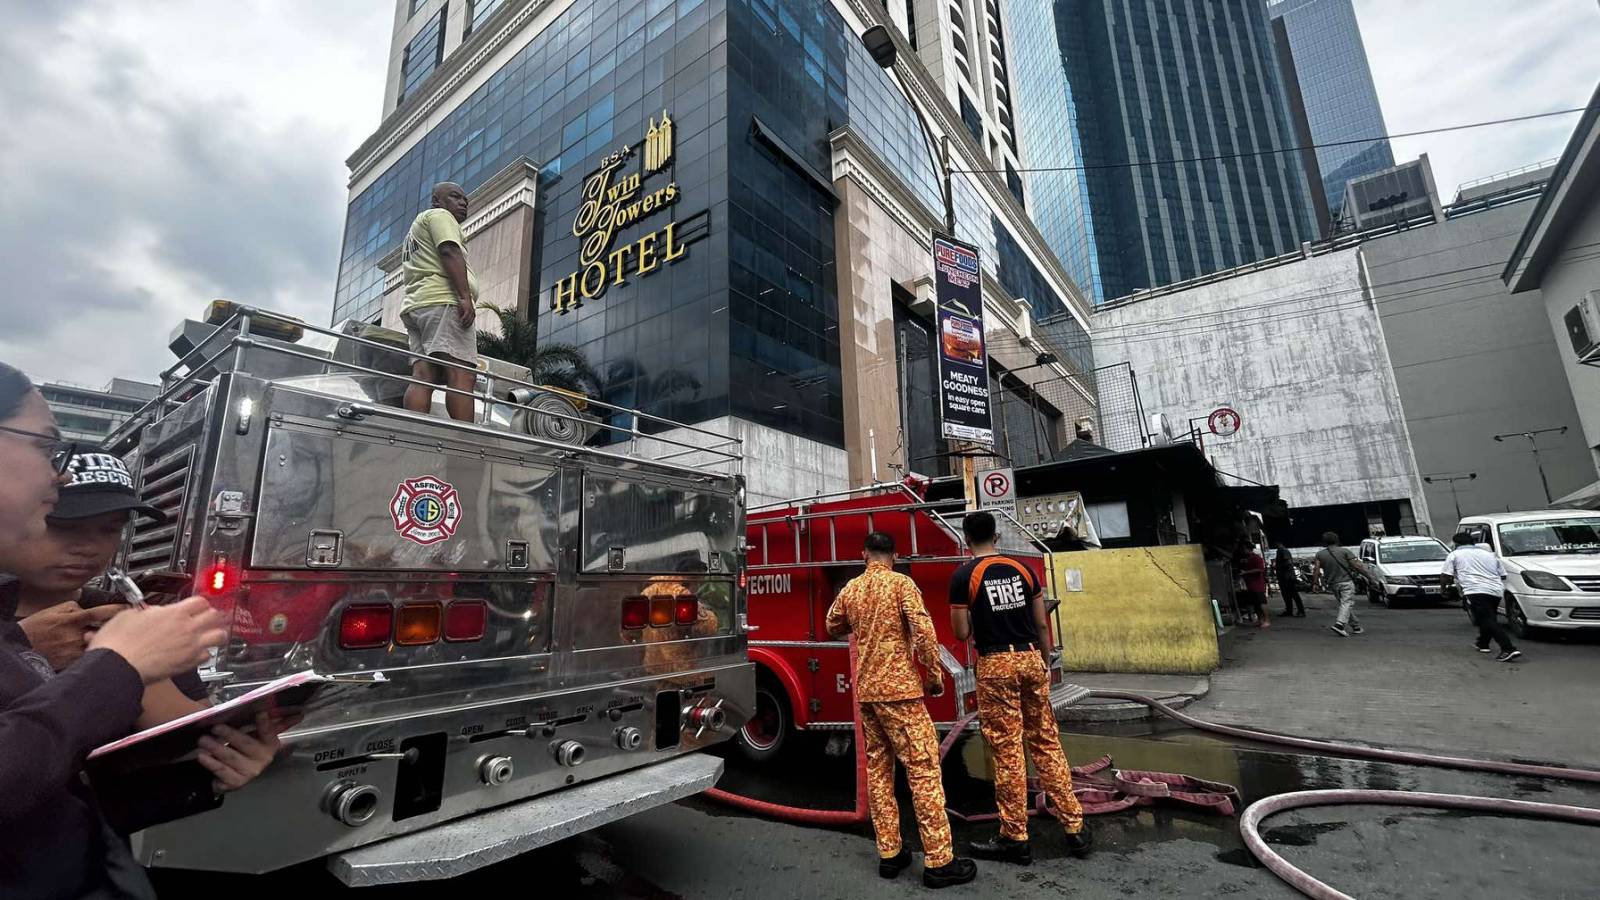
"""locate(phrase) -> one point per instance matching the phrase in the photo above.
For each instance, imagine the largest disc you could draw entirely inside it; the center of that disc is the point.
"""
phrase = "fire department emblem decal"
(425, 510)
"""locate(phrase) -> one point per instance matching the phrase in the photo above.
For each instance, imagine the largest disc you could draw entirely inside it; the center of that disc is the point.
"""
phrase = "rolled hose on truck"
(1250, 821)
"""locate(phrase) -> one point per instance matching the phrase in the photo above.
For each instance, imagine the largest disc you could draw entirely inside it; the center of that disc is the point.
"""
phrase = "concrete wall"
(1472, 361)
(1574, 272)
(777, 465)
(1298, 352)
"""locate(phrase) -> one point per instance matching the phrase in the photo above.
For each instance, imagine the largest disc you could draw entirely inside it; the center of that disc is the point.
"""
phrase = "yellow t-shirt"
(425, 278)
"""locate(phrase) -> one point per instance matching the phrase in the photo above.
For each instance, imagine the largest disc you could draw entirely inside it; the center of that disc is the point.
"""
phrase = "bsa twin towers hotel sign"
(614, 199)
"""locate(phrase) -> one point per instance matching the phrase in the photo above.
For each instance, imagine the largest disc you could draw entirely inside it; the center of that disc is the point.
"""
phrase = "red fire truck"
(802, 552)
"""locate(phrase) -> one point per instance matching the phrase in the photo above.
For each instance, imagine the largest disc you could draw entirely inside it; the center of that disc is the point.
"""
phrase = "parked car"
(1407, 567)
(1552, 562)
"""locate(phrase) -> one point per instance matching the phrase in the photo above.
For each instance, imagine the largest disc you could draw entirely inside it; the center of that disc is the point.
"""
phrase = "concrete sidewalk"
(1412, 681)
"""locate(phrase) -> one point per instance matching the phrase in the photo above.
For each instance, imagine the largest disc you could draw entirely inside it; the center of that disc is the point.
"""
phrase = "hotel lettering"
(615, 199)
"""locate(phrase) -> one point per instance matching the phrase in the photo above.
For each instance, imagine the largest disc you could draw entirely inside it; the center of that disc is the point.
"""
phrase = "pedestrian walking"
(440, 312)
(1337, 567)
(1289, 584)
(999, 604)
(1253, 573)
(1477, 573)
(884, 610)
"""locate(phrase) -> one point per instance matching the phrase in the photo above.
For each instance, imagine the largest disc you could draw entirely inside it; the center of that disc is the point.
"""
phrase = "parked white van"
(1552, 562)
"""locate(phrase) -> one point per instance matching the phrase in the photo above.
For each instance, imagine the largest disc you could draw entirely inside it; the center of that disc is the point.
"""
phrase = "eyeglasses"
(60, 452)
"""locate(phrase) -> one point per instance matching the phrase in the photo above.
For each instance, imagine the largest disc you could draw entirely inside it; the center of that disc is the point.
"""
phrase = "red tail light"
(418, 624)
(970, 701)
(635, 613)
(365, 626)
(217, 578)
(465, 620)
(661, 613)
(686, 610)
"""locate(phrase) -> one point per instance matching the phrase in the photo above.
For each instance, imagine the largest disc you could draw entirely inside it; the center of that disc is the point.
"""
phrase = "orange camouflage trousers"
(901, 729)
(1014, 710)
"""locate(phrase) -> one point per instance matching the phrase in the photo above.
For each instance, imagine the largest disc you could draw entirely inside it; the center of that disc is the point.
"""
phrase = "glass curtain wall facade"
(1341, 102)
(1157, 84)
(1047, 122)
(746, 322)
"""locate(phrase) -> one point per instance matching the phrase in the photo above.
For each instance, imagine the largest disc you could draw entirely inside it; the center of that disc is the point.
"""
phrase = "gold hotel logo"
(614, 200)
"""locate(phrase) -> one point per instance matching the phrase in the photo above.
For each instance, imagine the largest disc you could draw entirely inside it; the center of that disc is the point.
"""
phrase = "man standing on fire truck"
(998, 602)
(884, 610)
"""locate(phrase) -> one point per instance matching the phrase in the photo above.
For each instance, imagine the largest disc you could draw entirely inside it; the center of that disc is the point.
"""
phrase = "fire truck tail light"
(217, 578)
(465, 620)
(365, 626)
(661, 611)
(970, 701)
(635, 613)
(418, 624)
(686, 610)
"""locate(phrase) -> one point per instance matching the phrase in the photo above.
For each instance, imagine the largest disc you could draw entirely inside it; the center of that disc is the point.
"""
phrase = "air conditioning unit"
(1582, 325)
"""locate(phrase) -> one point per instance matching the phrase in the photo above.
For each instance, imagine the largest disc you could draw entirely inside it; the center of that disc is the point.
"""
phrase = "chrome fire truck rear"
(544, 610)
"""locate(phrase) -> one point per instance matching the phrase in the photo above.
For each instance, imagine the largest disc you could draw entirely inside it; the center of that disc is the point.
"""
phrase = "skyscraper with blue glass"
(727, 206)
(1161, 138)
(1323, 40)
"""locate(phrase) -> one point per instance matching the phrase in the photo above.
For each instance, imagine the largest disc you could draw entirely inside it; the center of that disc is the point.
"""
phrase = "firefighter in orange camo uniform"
(999, 603)
(884, 610)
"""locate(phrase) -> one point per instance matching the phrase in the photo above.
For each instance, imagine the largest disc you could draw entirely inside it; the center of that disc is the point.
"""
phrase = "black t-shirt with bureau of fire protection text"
(999, 599)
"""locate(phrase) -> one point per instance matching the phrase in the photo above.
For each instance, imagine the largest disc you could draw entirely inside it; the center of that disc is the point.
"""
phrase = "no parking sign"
(997, 490)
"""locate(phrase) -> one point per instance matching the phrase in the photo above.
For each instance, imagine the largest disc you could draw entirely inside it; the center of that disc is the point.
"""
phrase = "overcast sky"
(159, 153)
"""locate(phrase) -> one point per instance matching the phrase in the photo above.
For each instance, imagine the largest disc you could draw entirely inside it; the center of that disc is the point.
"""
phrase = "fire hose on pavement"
(1143, 786)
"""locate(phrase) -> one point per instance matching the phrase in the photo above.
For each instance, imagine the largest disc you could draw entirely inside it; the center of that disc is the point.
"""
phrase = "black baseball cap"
(100, 484)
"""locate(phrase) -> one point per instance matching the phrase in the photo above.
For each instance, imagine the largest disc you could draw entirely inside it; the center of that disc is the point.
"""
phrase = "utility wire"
(1277, 150)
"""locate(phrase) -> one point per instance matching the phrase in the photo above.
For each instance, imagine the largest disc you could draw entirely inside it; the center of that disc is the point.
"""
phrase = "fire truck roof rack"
(228, 346)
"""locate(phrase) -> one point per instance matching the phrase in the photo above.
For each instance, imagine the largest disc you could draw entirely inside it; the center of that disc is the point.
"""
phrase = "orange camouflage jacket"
(879, 606)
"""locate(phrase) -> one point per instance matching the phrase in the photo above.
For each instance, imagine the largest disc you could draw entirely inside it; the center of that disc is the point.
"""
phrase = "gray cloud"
(135, 188)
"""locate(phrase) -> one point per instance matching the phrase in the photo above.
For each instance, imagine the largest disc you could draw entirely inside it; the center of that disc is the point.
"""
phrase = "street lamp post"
(1451, 481)
(1533, 442)
(880, 44)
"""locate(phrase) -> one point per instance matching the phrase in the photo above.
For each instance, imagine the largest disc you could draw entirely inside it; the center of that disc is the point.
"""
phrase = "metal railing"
(910, 510)
(235, 336)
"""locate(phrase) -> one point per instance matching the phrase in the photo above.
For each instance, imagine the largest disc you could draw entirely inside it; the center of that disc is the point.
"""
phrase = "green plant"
(556, 365)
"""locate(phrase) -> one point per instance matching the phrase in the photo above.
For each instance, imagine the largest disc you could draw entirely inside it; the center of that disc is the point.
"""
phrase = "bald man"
(440, 306)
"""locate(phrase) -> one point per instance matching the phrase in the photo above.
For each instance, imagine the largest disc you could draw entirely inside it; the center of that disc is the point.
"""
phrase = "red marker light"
(744, 579)
(365, 626)
(465, 620)
(635, 613)
(686, 610)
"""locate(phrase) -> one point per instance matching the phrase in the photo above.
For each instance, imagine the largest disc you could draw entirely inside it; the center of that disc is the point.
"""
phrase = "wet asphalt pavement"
(700, 849)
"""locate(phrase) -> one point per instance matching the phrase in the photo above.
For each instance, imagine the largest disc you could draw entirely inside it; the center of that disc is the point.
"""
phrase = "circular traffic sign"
(1224, 421)
(996, 484)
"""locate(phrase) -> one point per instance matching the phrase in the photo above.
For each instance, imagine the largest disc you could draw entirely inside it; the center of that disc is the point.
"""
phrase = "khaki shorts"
(437, 331)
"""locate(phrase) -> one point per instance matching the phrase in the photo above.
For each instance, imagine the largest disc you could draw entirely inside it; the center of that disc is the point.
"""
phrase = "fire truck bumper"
(454, 848)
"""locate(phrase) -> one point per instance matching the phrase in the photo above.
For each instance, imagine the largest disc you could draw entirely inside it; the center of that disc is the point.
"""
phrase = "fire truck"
(524, 625)
(802, 552)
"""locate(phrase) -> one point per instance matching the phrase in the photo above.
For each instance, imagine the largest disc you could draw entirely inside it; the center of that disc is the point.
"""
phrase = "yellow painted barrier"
(1143, 609)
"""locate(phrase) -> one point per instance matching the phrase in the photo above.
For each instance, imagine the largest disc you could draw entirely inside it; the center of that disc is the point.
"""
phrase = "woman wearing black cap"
(56, 843)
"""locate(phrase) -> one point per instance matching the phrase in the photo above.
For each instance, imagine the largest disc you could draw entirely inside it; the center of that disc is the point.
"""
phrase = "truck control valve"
(351, 803)
(496, 770)
(569, 753)
(630, 738)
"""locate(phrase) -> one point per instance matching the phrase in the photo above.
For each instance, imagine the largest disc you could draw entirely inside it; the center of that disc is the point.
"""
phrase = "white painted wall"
(1298, 352)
